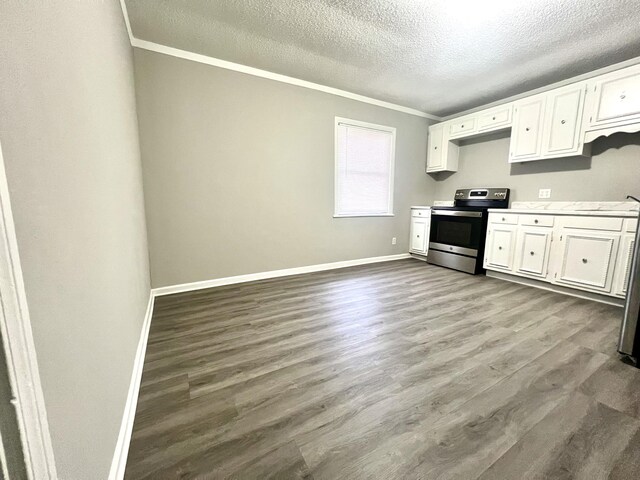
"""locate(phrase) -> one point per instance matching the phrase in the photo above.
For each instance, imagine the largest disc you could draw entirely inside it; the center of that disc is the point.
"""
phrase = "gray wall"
(239, 171)
(69, 136)
(610, 174)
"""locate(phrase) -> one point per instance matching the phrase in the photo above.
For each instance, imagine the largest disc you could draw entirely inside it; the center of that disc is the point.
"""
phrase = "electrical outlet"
(544, 193)
(393, 241)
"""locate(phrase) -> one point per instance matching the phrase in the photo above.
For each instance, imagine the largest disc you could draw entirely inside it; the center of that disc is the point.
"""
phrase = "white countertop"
(420, 207)
(591, 213)
(596, 209)
(578, 206)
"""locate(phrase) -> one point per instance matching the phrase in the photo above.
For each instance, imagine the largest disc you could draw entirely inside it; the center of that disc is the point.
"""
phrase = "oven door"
(456, 231)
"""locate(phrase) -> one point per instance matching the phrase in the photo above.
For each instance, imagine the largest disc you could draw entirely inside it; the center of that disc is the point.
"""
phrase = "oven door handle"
(456, 213)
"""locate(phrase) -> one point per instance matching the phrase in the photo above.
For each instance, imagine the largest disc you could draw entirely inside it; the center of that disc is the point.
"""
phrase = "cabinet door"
(419, 228)
(532, 251)
(617, 97)
(435, 154)
(499, 248)
(588, 259)
(623, 265)
(526, 136)
(564, 120)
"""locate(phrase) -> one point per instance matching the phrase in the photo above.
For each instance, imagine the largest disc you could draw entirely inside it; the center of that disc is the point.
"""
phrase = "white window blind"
(364, 169)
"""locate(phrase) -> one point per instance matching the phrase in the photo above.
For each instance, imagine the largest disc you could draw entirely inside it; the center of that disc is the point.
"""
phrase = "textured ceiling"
(438, 56)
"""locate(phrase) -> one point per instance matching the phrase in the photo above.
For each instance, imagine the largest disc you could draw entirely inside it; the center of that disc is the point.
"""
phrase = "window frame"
(392, 166)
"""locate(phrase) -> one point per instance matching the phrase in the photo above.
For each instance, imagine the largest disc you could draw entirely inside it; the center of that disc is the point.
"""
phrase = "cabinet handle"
(462, 126)
(499, 248)
(532, 253)
(435, 148)
(418, 236)
(623, 96)
(535, 221)
(584, 260)
(527, 129)
(493, 118)
(562, 122)
(503, 219)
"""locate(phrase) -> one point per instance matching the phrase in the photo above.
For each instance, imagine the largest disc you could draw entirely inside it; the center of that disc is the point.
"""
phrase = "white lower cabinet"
(583, 252)
(588, 259)
(623, 264)
(533, 246)
(501, 240)
(419, 235)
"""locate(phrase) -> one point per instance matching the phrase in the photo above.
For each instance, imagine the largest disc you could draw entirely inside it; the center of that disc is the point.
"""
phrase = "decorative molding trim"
(125, 14)
(20, 351)
(251, 277)
(585, 76)
(216, 62)
(119, 461)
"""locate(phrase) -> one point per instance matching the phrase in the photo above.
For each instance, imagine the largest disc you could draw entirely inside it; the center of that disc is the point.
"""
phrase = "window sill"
(351, 215)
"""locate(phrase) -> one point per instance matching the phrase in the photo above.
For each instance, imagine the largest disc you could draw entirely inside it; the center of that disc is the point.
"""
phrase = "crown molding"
(125, 14)
(256, 72)
(216, 62)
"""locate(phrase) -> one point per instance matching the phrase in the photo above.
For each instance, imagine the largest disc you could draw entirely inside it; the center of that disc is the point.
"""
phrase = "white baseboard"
(251, 277)
(124, 438)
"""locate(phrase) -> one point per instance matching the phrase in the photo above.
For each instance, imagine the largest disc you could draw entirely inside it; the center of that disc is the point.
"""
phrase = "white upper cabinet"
(442, 155)
(562, 125)
(616, 98)
(526, 134)
(558, 123)
(495, 119)
(434, 156)
(463, 127)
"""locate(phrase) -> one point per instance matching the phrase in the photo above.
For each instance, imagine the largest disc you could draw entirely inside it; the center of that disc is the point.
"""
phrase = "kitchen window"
(364, 169)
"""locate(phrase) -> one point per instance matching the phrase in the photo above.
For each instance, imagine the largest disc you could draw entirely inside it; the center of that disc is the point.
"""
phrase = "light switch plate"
(544, 193)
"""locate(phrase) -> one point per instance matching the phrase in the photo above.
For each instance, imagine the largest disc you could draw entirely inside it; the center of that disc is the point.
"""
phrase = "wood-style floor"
(397, 370)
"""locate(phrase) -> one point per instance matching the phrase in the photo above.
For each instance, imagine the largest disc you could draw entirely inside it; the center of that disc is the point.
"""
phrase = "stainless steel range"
(458, 233)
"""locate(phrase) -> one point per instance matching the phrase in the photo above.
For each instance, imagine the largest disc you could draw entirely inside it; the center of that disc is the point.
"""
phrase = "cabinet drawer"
(420, 212)
(537, 220)
(459, 128)
(504, 218)
(593, 223)
(495, 119)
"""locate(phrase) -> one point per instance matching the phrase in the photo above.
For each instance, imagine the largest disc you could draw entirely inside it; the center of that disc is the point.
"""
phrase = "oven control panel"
(482, 194)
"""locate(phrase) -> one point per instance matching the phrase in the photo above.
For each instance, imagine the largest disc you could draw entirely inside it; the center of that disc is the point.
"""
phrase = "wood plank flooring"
(398, 370)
